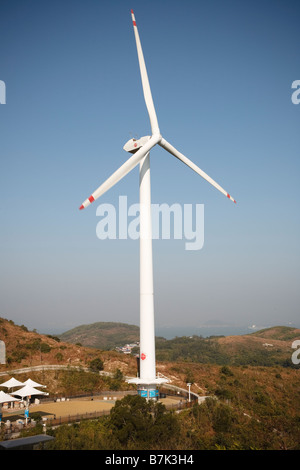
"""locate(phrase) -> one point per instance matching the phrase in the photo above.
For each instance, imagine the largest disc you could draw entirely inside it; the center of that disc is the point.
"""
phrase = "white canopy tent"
(6, 398)
(28, 391)
(11, 383)
(32, 383)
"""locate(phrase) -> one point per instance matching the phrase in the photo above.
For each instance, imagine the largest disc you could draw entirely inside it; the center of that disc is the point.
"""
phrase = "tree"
(223, 418)
(96, 365)
(118, 375)
(131, 420)
(138, 424)
(189, 377)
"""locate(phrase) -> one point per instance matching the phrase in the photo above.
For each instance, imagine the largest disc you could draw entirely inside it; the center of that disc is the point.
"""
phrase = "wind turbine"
(147, 382)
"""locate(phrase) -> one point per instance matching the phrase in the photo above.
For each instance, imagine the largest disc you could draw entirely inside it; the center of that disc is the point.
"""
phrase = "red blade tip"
(81, 207)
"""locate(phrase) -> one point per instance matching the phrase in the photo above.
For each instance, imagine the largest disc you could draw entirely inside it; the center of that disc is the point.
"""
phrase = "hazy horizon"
(170, 331)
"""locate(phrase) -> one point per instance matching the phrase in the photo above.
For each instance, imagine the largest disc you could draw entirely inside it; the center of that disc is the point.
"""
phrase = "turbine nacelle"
(135, 144)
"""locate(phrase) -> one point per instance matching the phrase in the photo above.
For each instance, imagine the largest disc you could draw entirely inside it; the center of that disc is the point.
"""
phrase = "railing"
(42, 368)
(103, 393)
(52, 422)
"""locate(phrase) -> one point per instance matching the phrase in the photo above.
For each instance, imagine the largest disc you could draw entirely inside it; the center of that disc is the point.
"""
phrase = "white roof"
(32, 383)
(4, 397)
(11, 383)
(27, 391)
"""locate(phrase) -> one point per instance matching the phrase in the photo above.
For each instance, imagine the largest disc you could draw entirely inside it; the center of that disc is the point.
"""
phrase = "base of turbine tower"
(148, 388)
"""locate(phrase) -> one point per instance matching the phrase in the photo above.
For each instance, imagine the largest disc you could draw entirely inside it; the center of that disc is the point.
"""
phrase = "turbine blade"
(121, 172)
(145, 81)
(163, 143)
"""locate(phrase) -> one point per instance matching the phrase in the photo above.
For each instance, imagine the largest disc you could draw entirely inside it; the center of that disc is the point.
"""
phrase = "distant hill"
(102, 335)
(26, 348)
(283, 333)
(267, 347)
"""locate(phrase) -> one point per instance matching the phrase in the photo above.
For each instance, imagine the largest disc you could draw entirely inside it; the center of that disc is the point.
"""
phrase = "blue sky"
(221, 75)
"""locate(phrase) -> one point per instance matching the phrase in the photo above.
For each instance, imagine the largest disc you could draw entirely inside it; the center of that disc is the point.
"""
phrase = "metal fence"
(104, 393)
(52, 422)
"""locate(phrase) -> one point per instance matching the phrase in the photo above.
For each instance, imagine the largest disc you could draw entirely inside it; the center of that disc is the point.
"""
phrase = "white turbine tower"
(147, 381)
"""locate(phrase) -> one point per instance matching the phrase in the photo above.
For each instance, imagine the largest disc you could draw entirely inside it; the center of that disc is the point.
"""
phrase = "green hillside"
(102, 335)
(268, 347)
(283, 333)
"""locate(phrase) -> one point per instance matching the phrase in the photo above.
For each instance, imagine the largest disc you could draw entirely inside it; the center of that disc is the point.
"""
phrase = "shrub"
(224, 393)
(136, 423)
(96, 365)
(222, 418)
(226, 371)
(59, 357)
(45, 348)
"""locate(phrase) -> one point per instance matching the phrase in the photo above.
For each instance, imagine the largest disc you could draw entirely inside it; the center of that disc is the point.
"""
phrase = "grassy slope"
(102, 335)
